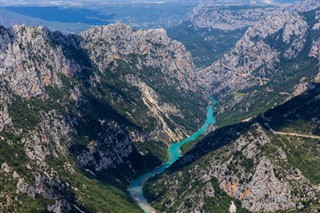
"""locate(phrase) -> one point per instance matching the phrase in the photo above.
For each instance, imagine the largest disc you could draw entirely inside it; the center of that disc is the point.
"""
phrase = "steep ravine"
(136, 187)
(86, 113)
(250, 165)
(273, 61)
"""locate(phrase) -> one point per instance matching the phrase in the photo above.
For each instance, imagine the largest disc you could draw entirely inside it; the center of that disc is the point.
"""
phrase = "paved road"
(288, 133)
(297, 135)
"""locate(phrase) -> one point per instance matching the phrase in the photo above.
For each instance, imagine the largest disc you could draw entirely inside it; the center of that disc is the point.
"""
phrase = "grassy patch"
(188, 146)
(304, 154)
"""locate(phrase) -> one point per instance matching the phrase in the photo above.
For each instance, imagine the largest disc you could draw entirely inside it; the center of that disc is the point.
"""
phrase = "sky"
(75, 2)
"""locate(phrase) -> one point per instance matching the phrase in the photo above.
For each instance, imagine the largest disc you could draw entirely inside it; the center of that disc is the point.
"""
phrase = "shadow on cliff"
(94, 119)
(301, 113)
(211, 142)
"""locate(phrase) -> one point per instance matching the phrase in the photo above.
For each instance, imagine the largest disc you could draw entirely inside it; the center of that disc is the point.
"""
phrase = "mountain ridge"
(89, 112)
(272, 56)
(258, 169)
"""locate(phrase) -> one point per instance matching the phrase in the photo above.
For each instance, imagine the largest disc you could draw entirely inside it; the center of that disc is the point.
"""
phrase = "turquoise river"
(135, 188)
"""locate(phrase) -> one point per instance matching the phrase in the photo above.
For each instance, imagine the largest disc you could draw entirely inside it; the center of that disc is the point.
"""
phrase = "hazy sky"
(6, 2)
(102, 1)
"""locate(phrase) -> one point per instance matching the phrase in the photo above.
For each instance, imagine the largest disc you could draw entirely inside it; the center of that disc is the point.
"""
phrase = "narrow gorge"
(121, 119)
(174, 152)
(88, 112)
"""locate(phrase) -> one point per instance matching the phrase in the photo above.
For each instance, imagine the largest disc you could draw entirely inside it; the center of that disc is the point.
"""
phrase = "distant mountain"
(229, 18)
(272, 62)
(83, 114)
(263, 157)
(75, 18)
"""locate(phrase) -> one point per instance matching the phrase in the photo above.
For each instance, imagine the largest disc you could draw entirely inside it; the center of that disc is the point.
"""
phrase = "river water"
(135, 188)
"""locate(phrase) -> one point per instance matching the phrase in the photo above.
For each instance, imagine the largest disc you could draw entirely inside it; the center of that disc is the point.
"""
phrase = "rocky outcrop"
(25, 64)
(272, 48)
(113, 151)
(227, 18)
(89, 104)
(254, 60)
(244, 170)
(106, 44)
(51, 139)
(4, 111)
(306, 5)
(261, 162)
(159, 111)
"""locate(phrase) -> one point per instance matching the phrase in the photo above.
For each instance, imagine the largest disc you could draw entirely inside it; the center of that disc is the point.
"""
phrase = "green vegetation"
(205, 45)
(154, 148)
(188, 146)
(303, 153)
(25, 113)
(298, 116)
(13, 154)
(95, 195)
(282, 78)
(219, 203)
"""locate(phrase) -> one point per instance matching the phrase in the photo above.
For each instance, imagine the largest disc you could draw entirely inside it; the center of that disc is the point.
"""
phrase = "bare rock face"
(262, 181)
(111, 153)
(159, 110)
(306, 5)
(5, 168)
(92, 102)
(253, 60)
(227, 18)
(264, 191)
(4, 111)
(52, 139)
(25, 64)
(299, 89)
(262, 186)
(106, 44)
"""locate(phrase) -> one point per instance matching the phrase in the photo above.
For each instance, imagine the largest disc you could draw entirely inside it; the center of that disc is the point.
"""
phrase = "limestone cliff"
(275, 55)
(75, 109)
(262, 165)
(253, 60)
(227, 18)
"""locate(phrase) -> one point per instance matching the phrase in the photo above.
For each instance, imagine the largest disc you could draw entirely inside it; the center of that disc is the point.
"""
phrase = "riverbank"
(135, 188)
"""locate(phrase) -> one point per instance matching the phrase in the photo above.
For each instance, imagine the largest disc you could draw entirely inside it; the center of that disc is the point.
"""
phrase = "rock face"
(283, 43)
(242, 171)
(227, 18)
(249, 163)
(25, 64)
(253, 59)
(306, 5)
(106, 44)
(98, 105)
